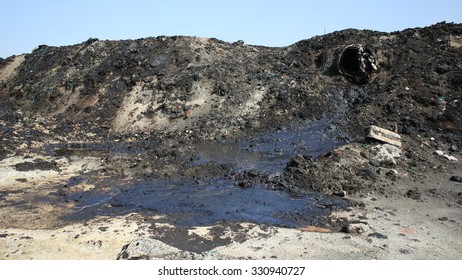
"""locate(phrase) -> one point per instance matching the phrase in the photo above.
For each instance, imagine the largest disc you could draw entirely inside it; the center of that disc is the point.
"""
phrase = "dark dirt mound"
(147, 107)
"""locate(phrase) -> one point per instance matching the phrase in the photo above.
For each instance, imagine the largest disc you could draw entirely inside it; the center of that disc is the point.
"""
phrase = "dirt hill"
(199, 110)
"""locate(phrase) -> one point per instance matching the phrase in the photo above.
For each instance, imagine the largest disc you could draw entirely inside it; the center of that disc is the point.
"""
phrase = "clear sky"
(25, 24)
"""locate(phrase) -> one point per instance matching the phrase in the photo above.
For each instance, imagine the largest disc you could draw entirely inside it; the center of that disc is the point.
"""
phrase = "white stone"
(451, 158)
(440, 153)
(384, 155)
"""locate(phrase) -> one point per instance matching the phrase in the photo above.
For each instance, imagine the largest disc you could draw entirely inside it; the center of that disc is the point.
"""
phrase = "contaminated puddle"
(270, 152)
(206, 204)
(211, 201)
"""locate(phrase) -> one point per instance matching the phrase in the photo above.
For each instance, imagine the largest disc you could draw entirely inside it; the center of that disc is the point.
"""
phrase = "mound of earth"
(94, 129)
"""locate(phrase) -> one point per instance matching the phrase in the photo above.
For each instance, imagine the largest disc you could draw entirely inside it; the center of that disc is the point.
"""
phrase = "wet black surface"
(270, 152)
(205, 204)
(237, 194)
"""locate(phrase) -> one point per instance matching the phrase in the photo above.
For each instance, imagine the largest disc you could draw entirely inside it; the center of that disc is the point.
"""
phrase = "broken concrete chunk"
(384, 155)
(384, 135)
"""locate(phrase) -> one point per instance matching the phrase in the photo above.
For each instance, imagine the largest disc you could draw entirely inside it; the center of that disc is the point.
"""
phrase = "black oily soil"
(37, 164)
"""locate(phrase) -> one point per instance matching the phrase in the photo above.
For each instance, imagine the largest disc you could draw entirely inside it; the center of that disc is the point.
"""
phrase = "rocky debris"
(340, 193)
(415, 194)
(356, 228)
(446, 156)
(350, 169)
(455, 41)
(384, 135)
(152, 249)
(392, 174)
(384, 155)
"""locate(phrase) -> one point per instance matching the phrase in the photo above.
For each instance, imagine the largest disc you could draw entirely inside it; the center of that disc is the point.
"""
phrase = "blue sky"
(25, 24)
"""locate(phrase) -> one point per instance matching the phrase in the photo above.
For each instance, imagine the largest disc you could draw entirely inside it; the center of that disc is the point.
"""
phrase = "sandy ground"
(391, 227)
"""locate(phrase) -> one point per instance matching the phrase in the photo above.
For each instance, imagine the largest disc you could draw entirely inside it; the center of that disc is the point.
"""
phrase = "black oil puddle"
(192, 203)
(188, 204)
(270, 152)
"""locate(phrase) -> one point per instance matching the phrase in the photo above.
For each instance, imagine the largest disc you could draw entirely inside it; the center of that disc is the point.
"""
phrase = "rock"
(339, 193)
(384, 135)
(455, 41)
(456, 179)
(449, 157)
(244, 184)
(377, 235)
(356, 228)
(414, 194)
(392, 174)
(152, 249)
(446, 156)
(440, 153)
(384, 155)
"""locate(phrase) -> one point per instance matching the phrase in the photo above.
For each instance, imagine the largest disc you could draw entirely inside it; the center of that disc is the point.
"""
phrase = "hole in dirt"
(357, 63)
(349, 61)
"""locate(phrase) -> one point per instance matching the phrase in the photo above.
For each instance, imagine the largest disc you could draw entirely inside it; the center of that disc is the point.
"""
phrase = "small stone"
(377, 235)
(22, 180)
(414, 194)
(440, 153)
(404, 251)
(453, 148)
(339, 193)
(456, 178)
(244, 184)
(392, 174)
(451, 158)
(357, 228)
